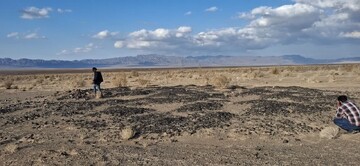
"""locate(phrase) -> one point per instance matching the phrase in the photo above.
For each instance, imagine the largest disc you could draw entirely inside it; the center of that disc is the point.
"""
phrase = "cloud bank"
(304, 21)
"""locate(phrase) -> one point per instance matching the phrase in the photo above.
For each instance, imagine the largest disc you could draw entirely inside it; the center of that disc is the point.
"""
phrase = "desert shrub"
(39, 80)
(52, 78)
(221, 81)
(120, 81)
(256, 74)
(134, 73)
(8, 84)
(17, 78)
(275, 71)
(143, 82)
(348, 68)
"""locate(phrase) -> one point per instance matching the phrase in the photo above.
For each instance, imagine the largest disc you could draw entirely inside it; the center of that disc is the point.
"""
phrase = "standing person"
(97, 81)
(347, 115)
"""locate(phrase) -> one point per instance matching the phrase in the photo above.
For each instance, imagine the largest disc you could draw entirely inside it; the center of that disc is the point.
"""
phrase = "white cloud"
(32, 12)
(64, 10)
(153, 39)
(211, 9)
(28, 36)
(87, 48)
(13, 35)
(119, 44)
(354, 34)
(188, 13)
(63, 52)
(104, 34)
(84, 49)
(35, 13)
(34, 36)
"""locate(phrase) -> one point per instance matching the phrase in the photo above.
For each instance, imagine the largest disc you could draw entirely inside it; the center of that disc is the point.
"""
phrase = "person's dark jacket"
(97, 78)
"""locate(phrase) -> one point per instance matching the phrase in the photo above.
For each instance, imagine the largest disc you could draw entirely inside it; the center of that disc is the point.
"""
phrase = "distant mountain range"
(154, 60)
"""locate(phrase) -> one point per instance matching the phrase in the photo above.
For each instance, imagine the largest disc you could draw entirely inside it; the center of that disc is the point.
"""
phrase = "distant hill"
(154, 60)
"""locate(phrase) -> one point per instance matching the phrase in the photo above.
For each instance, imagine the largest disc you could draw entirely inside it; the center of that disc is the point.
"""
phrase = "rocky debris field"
(157, 114)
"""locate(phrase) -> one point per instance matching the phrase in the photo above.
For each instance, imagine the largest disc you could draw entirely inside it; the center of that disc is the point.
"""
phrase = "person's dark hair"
(342, 98)
(94, 68)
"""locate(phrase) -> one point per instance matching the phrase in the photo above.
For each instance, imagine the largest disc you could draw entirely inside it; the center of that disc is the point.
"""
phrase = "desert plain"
(274, 115)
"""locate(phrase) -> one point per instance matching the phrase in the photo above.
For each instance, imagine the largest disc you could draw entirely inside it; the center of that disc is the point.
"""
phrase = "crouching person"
(347, 115)
(98, 79)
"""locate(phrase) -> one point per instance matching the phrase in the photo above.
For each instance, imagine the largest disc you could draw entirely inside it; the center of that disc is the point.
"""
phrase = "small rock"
(329, 132)
(127, 133)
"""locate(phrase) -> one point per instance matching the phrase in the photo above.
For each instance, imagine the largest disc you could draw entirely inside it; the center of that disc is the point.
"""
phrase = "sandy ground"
(236, 116)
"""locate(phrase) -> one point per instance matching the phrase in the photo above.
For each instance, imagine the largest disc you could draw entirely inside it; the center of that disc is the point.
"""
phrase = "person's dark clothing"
(97, 78)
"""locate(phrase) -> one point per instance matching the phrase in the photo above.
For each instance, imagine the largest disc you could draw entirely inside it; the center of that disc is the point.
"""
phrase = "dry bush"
(134, 73)
(275, 71)
(127, 133)
(8, 84)
(51, 78)
(120, 81)
(143, 82)
(17, 78)
(221, 81)
(39, 80)
(78, 83)
(256, 74)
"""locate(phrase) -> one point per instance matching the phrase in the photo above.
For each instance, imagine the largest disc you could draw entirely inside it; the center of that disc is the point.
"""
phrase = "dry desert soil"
(204, 116)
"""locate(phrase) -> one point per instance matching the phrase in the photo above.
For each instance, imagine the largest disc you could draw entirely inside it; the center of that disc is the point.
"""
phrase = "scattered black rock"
(122, 111)
(200, 106)
(174, 125)
(276, 101)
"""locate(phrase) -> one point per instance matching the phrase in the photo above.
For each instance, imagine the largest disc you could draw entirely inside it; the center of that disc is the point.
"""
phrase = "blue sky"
(94, 29)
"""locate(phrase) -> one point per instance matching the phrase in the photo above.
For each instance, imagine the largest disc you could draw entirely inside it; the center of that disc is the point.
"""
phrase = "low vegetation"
(219, 77)
(120, 81)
